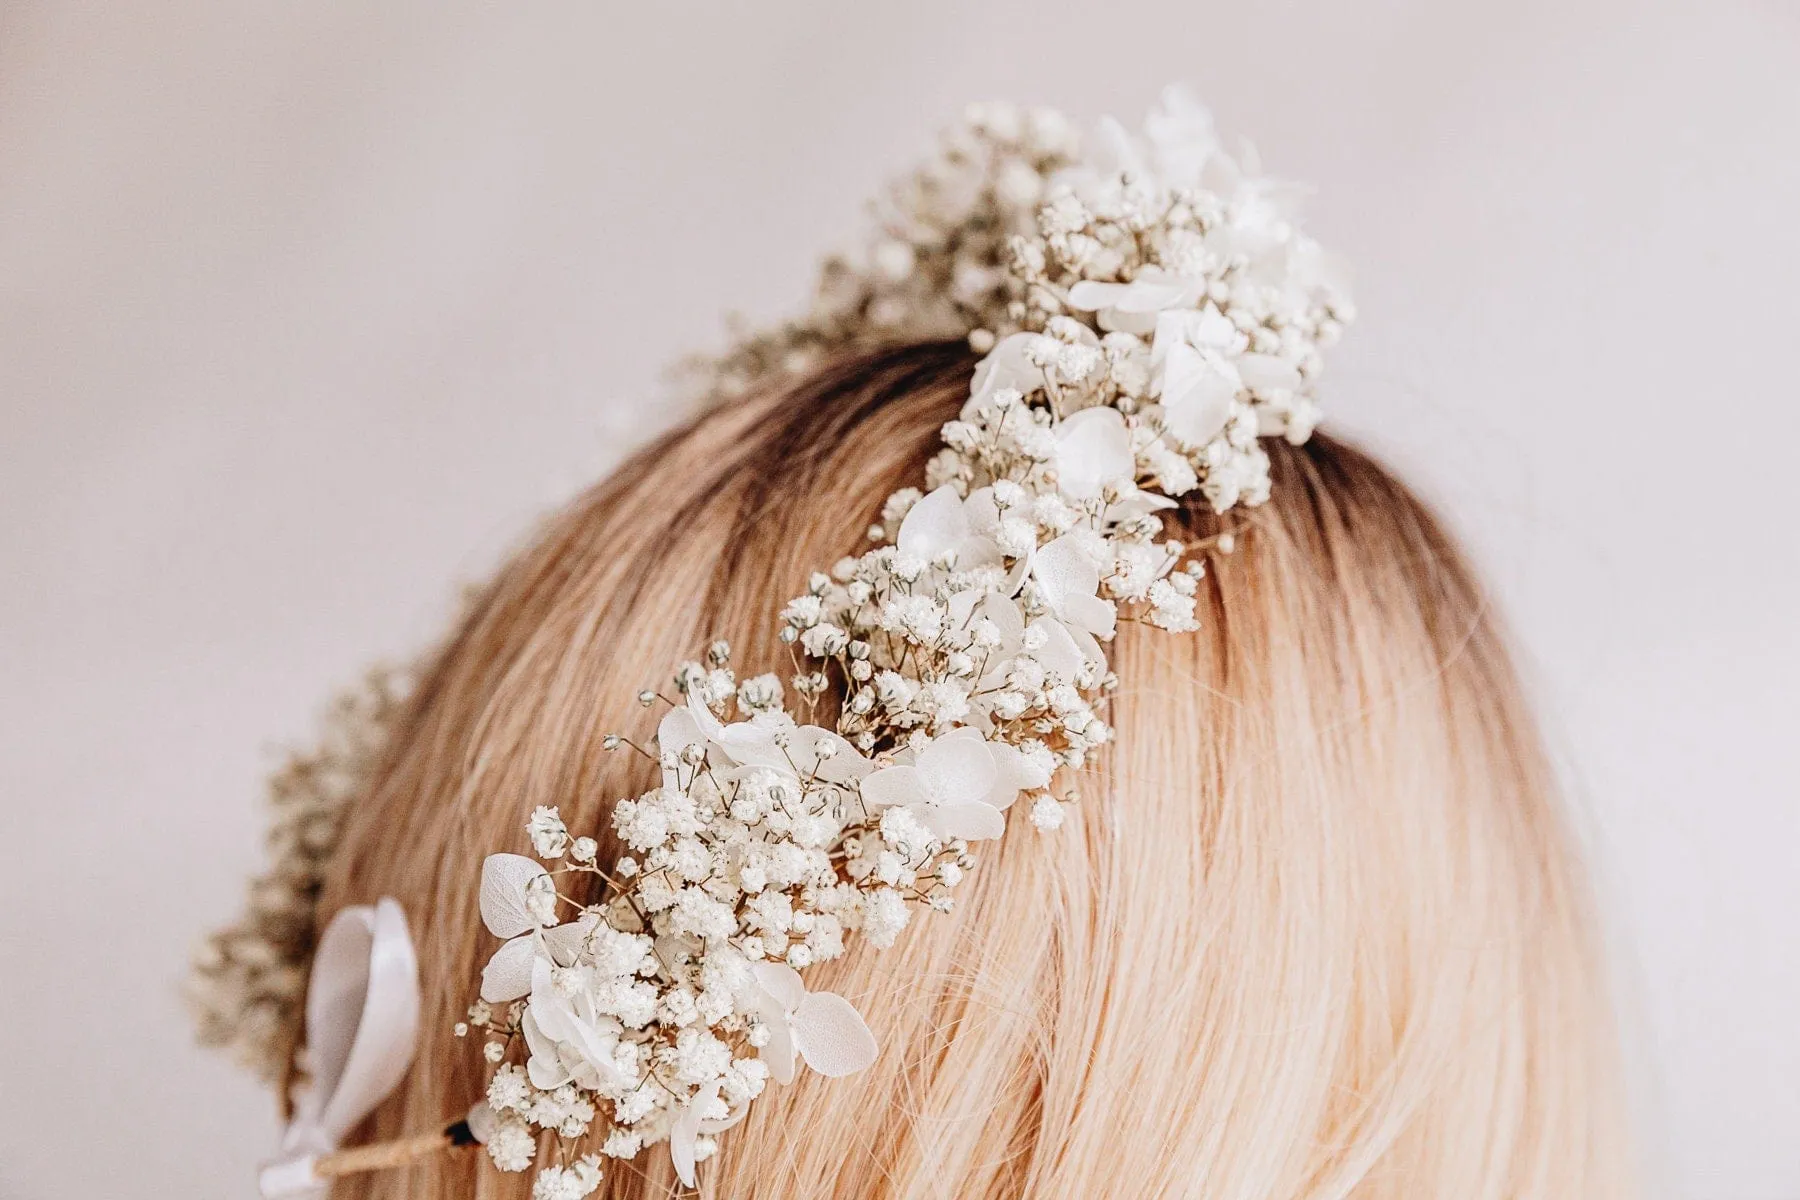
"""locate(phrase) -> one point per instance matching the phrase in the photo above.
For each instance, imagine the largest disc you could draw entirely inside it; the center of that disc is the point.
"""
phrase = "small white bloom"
(884, 915)
(511, 1145)
(1046, 813)
(574, 1182)
(548, 834)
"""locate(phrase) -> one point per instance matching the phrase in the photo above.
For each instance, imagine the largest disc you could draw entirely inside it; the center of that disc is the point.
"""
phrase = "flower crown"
(1148, 310)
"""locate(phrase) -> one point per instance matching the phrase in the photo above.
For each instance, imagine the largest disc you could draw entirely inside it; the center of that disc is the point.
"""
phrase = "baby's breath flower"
(548, 835)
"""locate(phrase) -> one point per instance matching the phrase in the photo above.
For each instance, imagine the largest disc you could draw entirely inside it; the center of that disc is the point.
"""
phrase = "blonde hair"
(1315, 929)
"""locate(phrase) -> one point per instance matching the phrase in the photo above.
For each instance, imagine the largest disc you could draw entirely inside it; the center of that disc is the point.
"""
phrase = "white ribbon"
(362, 1023)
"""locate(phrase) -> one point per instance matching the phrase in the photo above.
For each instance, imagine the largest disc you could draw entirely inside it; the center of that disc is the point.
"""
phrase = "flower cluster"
(248, 981)
(1157, 315)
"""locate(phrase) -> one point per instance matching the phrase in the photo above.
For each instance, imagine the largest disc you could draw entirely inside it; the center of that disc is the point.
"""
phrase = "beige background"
(307, 309)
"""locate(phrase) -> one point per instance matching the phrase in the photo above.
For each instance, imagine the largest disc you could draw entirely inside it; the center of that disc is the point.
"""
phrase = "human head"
(1314, 928)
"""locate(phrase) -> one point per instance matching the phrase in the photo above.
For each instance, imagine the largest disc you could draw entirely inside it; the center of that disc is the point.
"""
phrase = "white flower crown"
(1147, 313)
(1164, 313)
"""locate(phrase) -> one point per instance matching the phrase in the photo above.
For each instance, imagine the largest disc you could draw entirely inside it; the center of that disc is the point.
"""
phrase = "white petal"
(893, 785)
(782, 983)
(546, 1066)
(686, 1129)
(705, 719)
(1018, 771)
(832, 1036)
(751, 745)
(982, 512)
(679, 730)
(504, 878)
(1196, 397)
(779, 1051)
(507, 975)
(1093, 614)
(957, 767)
(566, 942)
(1087, 644)
(1091, 296)
(548, 1007)
(933, 525)
(972, 820)
(1093, 448)
(845, 763)
(1064, 571)
(1266, 373)
(1005, 366)
(1119, 320)
(1061, 653)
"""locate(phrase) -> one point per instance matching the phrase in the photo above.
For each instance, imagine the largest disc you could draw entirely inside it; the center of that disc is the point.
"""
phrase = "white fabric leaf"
(507, 975)
(832, 1036)
(504, 878)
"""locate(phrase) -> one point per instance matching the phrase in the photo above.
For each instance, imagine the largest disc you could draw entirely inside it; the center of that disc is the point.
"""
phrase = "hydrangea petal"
(686, 1131)
(1007, 365)
(893, 785)
(1197, 395)
(507, 975)
(1066, 574)
(934, 525)
(971, 820)
(504, 878)
(546, 1068)
(832, 1036)
(1093, 449)
(1017, 772)
(957, 767)
(1266, 373)
(678, 730)
(782, 984)
(1061, 654)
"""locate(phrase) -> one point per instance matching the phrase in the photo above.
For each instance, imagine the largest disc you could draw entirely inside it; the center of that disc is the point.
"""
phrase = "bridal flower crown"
(1148, 309)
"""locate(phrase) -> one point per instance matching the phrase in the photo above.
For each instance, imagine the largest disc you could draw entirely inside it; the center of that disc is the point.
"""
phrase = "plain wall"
(307, 310)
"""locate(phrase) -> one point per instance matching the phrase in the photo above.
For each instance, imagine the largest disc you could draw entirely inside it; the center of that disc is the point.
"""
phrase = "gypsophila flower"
(567, 1183)
(511, 1145)
(548, 835)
